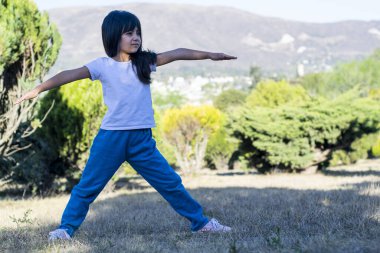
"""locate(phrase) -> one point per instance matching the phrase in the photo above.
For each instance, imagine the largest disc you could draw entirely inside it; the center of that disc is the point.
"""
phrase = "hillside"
(276, 45)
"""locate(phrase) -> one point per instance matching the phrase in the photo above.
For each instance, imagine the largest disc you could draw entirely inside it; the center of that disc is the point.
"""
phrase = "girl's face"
(130, 41)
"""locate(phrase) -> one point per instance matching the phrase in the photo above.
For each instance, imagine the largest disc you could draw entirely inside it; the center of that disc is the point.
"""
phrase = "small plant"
(233, 248)
(24, 220)
(275, 239)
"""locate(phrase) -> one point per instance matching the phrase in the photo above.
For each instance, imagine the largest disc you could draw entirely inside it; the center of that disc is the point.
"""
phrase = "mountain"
(275, 45)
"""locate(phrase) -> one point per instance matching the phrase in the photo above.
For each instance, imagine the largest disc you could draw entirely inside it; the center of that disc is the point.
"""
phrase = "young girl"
(125, 133)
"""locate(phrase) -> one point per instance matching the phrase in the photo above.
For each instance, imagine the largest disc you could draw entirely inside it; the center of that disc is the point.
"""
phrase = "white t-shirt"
(128, 100)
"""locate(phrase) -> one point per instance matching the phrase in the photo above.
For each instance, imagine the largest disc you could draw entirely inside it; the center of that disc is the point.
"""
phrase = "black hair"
(114, 25)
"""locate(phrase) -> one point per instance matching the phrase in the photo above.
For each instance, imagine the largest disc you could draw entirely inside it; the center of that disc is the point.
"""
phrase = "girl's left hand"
(221, 56)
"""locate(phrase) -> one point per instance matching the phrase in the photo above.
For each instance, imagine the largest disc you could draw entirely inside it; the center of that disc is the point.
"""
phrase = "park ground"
(337, 210)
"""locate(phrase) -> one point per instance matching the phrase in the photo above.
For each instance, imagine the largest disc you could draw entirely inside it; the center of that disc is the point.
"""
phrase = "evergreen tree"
(29, 46)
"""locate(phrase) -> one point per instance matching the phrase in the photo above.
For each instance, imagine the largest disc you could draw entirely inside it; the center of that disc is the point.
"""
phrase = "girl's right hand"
(29, 95)
(221, 57)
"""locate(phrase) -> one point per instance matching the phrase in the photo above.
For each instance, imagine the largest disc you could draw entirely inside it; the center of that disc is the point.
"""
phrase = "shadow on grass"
(130, 183)
(238, 173)
(350, 173)
(264, 220)
(13, 192)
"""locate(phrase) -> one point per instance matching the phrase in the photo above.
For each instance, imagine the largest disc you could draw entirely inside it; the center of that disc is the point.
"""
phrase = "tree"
(229, 98)
(271, 94)
(29, 46)
(189, 129)
(168, 100)
(256, 74)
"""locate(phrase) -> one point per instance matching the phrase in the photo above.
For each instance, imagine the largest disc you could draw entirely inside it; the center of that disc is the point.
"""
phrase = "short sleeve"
(94, 67)
(152, 67)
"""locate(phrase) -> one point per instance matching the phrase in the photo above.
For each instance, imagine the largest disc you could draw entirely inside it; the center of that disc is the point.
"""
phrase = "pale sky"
(301, 10)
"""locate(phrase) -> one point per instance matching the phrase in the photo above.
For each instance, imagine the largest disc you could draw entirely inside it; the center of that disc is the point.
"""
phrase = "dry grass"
(338, 211)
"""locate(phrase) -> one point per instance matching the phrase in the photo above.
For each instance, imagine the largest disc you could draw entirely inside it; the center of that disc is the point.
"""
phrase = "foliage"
(27, 39)
(376, 147)
(165, 148)
(220, 147)
(228, 98)
(270, 93)
(256, 74)
(361, 148)
(29, 46)
(344, 77)
(62, 144)
(75, 120)
(189, 129)
(292, 137)
(169, 100)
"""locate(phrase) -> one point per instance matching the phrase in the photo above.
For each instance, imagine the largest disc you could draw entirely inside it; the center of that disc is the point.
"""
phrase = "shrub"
(361, 148)
(189, 129)
(61, 145)
(295, 137)
(271, 94)
(229, 98)
(220, 148)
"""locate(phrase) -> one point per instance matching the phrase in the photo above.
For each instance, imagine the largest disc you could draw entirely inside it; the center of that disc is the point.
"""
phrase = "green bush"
(290, 137)
(189, 129)
(165, 148)
(220, 148)
(340, 157)
(229, 98)
(74, 120)
(61, 145)
(271, 93)
(376, 147)
(361, 148)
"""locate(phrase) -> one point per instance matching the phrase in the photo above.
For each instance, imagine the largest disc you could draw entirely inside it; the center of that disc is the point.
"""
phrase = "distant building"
(300, 69)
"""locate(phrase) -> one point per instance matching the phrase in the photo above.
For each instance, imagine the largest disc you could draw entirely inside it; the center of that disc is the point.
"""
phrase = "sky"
(320, 11)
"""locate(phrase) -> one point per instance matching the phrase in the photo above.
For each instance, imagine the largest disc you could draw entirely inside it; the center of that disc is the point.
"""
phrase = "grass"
(335, 211)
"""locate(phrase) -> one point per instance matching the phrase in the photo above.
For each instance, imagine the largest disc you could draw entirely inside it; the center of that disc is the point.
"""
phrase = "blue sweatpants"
(109, 150)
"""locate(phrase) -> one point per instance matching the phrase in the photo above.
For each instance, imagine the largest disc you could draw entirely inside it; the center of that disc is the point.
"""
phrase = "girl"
(125, 133)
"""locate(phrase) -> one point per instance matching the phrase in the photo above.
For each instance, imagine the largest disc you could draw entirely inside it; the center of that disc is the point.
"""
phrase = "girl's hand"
(221, 56)
(29, 95)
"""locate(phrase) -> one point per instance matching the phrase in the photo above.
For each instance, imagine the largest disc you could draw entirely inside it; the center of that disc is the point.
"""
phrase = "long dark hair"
(114, 25)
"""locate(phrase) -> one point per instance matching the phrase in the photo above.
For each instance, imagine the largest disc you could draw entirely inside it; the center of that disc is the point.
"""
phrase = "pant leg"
(146, 159)
(106, 155)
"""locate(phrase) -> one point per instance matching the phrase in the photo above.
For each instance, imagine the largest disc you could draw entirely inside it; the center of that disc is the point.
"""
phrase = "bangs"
(130, 25)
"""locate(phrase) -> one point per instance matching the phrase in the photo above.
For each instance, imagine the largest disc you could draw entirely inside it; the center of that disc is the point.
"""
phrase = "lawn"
(334, 211)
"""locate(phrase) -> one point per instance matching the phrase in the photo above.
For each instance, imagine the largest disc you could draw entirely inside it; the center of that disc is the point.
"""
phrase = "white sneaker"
(214, 226)
(59, 234)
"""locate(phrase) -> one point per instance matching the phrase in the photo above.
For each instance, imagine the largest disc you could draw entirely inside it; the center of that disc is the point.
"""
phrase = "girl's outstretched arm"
(190, 54)
(59, 79)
